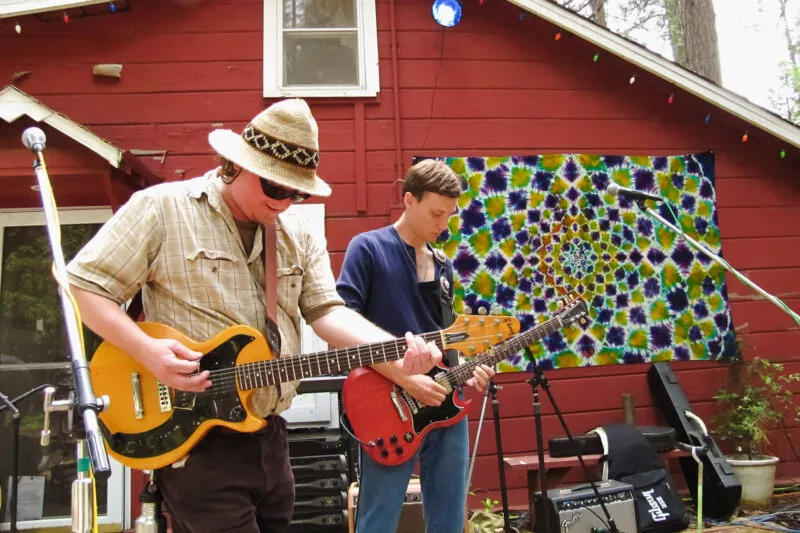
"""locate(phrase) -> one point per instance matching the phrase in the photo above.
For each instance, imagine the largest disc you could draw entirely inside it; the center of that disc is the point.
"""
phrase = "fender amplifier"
(575, 509)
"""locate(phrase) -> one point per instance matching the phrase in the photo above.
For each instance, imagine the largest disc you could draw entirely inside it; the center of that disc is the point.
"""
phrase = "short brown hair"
(432, 175)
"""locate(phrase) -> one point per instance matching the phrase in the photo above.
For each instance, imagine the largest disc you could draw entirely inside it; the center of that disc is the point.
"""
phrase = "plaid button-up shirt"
(179, 243)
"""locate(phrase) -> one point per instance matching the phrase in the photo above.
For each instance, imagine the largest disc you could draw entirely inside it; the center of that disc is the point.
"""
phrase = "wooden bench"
(556, 468)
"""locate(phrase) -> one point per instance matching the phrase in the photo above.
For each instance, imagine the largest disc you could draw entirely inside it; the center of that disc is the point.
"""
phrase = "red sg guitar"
(391, 424)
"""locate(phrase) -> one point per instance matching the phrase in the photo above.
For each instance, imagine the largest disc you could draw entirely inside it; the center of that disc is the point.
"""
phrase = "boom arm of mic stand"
(88, 405)
(720, 261)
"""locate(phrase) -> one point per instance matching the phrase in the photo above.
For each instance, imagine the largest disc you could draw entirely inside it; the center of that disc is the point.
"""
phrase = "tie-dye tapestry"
(532, 229)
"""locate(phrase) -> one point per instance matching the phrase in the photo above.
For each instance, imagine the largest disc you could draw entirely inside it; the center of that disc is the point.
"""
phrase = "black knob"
(399, 450)
(408, 436)
(384, 453)
(379, 441)
(393, 439)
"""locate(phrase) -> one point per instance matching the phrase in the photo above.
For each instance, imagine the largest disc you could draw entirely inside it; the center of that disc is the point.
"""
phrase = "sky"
(751, 44)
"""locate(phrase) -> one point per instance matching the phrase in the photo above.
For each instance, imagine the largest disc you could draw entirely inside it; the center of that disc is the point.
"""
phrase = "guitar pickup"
(396, 402)
(164, 401)
(136, 391)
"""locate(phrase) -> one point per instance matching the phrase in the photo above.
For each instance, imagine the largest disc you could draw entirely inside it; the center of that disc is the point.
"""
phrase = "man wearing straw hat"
(196, 250)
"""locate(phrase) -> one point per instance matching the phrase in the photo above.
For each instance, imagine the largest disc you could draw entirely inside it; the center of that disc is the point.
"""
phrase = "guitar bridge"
(164, 401)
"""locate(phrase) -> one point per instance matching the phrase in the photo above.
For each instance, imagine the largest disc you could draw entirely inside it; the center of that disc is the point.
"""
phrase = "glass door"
(33, 351)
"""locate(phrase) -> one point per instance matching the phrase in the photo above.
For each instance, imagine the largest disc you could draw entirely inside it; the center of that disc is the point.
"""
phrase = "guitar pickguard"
(220, 402)
(426, 415)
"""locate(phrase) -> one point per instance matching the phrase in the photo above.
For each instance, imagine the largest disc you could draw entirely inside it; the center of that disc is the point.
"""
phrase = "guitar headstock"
(573, 310)
(472, 334)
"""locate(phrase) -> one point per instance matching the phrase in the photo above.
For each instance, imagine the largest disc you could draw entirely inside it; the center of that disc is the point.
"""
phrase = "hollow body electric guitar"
(149, 425)
(391, 424)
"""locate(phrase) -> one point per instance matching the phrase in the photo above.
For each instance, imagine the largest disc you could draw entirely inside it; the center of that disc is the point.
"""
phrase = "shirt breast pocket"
(289, 286)
(211, 276)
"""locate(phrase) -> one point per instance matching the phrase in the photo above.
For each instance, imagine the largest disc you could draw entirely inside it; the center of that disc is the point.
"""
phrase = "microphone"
(632, 194)
(34, 139)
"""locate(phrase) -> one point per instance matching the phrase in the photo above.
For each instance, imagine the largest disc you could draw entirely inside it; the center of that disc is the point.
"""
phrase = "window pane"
(320, 59)
(32, 333)
(319, 14)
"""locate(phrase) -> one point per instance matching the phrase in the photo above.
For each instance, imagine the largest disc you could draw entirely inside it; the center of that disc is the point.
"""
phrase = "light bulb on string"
(522, 15)
(783, 154)
(446, 13)
(671, 98)
(632, 80)
(745, 137)
(18, 27)
(596, 58)
(558, 36)
(708, 118)
(112, 7)
(66, 18)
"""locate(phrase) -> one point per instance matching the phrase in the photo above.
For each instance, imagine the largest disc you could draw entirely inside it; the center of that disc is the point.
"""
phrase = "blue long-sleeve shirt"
(379, 281)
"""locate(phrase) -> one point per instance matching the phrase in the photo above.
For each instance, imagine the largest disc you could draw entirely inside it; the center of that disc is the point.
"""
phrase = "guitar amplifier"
(575, 509)
(411, 518)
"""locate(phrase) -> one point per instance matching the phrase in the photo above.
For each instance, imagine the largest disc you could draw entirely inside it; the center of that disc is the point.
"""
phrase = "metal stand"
(89, 438)
(537, 380)
(491, 389)
(714, 257)
(499, 445)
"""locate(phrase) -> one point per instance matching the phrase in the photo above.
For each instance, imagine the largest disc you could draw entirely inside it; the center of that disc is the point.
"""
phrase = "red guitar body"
(389, 419)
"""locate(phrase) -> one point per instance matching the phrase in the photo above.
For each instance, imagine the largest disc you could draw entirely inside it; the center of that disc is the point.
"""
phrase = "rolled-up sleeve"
(319, 296)
(117, 261)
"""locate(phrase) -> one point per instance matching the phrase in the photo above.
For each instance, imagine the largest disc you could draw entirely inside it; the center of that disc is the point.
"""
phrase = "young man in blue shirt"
(395, 279)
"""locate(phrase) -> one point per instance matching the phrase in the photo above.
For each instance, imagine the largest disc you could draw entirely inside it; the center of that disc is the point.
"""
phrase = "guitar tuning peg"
(495, 312)
(481, 310)
(467, 310)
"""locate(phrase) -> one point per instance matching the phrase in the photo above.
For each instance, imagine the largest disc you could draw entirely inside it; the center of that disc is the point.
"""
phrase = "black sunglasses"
(276, 192)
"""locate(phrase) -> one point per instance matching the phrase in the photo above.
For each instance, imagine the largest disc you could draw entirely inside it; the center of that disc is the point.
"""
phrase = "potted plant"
(755, 400)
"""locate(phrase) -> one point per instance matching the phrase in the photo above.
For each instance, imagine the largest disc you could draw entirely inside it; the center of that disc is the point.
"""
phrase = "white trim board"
(663, 68)
(15, 103)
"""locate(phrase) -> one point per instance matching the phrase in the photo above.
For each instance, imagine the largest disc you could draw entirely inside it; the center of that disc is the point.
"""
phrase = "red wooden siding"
(493, 85)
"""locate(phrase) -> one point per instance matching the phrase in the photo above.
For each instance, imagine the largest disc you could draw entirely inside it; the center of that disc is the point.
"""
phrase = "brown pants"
(239, 482)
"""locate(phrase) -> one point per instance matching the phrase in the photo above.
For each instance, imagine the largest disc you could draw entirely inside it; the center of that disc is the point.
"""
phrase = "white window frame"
(317, 409)
(117, 506)
(367, 56)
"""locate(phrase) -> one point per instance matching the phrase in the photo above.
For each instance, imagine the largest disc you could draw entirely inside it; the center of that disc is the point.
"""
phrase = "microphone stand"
(89, 437)
(537, 380)
(720, 261)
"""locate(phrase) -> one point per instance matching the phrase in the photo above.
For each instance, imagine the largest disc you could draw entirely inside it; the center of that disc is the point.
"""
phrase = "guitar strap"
(271, 287)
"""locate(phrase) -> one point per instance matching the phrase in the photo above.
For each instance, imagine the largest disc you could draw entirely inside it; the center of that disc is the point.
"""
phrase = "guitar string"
(258, 368)
(453, 377)
(339, 354)
(461, 373)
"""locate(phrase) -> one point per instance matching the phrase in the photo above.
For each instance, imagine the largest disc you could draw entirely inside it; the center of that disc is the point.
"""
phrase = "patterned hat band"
(281, 150)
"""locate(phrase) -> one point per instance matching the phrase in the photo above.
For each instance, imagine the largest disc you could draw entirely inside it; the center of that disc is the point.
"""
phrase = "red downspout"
(398, 139)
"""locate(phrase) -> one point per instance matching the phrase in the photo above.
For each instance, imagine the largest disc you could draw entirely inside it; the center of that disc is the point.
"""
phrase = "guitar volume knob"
(393, 439)
(379, 441)
(399, 450)
(384, 453)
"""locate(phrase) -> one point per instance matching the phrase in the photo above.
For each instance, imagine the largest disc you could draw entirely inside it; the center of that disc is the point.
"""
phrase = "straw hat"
(280, 145)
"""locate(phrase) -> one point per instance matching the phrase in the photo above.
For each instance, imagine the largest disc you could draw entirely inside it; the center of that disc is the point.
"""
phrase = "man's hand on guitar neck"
(420, 356)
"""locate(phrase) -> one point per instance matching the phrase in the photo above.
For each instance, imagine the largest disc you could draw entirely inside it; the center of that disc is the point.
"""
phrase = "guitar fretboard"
(264, 373)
